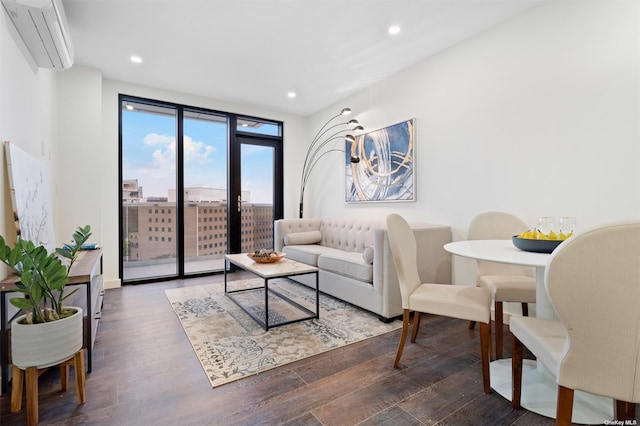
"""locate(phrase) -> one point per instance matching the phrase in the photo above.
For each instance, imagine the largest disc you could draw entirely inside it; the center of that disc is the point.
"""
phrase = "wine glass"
(545, 224)
(567, 226)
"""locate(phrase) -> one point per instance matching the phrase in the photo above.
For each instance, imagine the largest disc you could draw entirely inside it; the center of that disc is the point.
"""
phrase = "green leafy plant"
(43, 275)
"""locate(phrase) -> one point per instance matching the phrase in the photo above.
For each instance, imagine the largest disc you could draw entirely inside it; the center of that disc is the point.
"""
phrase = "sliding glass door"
(205, 171)
(258, 165)
(149, 213)
(195, 185)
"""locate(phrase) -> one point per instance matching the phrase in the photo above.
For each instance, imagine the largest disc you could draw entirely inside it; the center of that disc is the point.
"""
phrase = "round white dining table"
(539, 387)
(503, 251)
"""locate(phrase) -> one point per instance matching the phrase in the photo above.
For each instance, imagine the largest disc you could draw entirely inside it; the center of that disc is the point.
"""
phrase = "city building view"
(150, 229)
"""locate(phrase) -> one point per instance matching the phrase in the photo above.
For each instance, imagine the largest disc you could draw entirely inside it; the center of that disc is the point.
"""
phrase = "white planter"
(46, 344)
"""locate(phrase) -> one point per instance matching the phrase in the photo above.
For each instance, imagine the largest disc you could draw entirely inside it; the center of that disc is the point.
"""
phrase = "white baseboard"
(108, 284)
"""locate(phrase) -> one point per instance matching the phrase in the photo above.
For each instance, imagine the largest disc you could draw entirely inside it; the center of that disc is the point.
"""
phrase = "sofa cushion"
(307, 253)
(367, 255)
(300, 238)
(348, 235)
(349, 264)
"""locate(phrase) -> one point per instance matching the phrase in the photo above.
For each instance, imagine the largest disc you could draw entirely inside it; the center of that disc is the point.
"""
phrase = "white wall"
(27, 114)
(537, 116)
(80, 153)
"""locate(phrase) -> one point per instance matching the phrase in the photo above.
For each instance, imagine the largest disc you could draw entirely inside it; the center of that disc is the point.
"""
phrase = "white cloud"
(195, 152)
(157, 173)
(153, 139)
(165, 158)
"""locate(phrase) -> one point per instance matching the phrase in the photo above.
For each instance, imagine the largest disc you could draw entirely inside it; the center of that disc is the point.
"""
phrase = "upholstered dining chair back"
(403, 247)
(497, 226)
(593, 282)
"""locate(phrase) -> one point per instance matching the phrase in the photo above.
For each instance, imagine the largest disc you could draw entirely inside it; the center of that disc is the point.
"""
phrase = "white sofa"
(355, 260)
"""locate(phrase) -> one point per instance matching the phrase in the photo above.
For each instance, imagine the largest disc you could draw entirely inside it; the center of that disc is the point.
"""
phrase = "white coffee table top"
(283, 268)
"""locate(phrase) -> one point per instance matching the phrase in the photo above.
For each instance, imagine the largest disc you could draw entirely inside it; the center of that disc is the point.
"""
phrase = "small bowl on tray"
(537, 246)
(272, 258)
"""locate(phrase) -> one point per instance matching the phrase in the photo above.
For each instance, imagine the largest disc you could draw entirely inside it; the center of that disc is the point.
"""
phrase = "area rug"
(231, 345)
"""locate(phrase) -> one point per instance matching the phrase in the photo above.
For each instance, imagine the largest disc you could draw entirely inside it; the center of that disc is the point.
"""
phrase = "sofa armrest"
(385, 278)
(282, 227)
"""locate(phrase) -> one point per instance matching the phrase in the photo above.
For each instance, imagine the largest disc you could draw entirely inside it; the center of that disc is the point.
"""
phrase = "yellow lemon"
(552, 235)
(562, 236)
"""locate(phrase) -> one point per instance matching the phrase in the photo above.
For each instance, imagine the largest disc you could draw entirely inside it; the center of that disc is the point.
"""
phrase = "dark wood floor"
(146, 373)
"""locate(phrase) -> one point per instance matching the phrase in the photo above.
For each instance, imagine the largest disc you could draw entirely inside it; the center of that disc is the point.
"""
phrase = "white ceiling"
(253, 52)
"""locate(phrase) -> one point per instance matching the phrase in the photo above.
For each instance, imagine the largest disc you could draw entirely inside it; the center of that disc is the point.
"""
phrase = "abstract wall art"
(384, 166)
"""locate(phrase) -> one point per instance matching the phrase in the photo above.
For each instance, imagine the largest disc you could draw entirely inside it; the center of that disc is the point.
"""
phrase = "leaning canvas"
(31, 197)
(384, 169)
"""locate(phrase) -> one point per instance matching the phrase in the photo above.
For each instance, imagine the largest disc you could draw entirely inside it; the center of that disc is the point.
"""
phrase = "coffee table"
(267, 271)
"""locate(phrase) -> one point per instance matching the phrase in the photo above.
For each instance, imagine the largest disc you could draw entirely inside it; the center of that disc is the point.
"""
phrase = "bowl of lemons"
(538, 242)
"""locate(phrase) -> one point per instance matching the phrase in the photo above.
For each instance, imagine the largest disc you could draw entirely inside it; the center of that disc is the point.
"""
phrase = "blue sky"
(149, 156)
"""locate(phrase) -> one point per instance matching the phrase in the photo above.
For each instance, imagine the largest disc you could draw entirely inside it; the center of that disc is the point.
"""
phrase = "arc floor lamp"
(316, 149)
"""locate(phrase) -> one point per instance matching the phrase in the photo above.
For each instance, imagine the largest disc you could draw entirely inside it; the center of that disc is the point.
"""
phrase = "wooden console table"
(87, 272)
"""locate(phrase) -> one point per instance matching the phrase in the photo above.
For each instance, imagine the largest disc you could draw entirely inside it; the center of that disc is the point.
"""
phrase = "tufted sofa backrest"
(348, 235)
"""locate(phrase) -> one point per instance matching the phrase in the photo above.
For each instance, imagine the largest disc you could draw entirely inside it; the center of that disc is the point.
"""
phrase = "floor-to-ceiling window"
(195, 184)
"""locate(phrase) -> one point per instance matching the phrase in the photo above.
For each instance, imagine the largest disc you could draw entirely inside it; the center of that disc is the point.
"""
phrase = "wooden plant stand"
(31, 375)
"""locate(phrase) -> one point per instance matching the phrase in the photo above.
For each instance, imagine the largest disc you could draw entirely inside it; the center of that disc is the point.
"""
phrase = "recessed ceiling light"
(291, 95)
(394, 29)
(129, 107)
(136, 59)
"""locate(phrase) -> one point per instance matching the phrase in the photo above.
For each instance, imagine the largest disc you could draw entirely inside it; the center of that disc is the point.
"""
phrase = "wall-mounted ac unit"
(42, 25)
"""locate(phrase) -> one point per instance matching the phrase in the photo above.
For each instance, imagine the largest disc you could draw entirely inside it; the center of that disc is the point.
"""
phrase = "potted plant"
(48, 333)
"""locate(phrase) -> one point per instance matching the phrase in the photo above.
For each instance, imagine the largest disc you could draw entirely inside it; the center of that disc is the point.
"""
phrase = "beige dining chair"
(457, 301)
(593, 282)
(507, 283)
